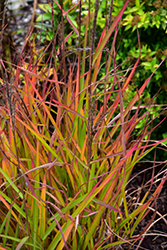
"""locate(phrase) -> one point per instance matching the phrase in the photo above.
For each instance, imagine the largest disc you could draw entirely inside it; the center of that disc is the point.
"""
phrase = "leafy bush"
(67, 149)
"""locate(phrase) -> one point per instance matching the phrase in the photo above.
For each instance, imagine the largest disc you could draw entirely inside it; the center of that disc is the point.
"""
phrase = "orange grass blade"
(109, 32)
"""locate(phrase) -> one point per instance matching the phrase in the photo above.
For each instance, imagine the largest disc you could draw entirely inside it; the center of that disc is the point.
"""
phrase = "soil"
(155, 223)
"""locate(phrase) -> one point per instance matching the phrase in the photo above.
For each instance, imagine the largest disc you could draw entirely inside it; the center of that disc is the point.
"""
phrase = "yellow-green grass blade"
(18, 240)
(66, 229)
(38, 136)
(4, 198)
(22, 242)
(132, 216)
(116, 243)
(73, 203)
(5, 220)
(17, 229)
(35, 207)
(11, 183)
(7, 227)
(107, 190)
(70, 153)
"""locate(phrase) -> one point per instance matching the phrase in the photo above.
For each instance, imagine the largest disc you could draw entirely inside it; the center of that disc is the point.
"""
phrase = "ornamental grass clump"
(68, 144)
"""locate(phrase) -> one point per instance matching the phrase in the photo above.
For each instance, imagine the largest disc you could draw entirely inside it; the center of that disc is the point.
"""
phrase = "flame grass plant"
(67, 150)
